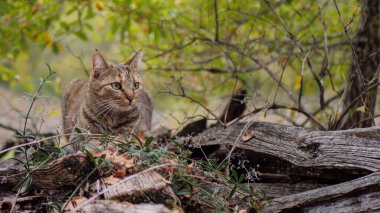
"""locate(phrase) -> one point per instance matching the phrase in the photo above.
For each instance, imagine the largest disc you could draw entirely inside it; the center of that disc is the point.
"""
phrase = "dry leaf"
(247, 136)
(361, 109)
(106, 152)
(76, 201)
(111, 180)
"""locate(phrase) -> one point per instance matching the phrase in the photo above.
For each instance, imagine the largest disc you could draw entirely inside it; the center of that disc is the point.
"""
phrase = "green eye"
(116, 85)
(136, 85)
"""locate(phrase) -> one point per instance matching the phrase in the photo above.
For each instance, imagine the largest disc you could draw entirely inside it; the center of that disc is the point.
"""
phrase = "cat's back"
(74, 95)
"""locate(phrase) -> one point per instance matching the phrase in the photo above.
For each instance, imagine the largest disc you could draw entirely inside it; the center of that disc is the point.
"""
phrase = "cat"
(113, 99)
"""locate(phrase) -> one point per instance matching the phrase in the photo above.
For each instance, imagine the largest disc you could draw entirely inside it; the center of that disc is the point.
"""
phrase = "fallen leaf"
(247, 135)
(74, 202)
(111, 180)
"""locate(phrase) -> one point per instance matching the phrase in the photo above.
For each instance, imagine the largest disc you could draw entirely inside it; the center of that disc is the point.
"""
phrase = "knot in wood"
(310, 147)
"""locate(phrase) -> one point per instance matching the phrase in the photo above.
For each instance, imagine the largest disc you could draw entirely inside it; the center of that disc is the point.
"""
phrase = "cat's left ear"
(135, 60)
(98, 63)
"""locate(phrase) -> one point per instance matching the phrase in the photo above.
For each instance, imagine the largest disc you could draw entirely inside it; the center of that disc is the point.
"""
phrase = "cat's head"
(115, 85)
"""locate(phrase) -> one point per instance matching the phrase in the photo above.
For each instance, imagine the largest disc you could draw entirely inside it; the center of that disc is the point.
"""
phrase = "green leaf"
(81, 35)
(148, 141)
(234, 174)
(233, 191)
(184, 191)
(241, 178)
(25, 184)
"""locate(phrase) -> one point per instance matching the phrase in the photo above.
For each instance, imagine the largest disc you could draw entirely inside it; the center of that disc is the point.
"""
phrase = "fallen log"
(293, 152)
(276, 190)
(360, 195)
(64, 173)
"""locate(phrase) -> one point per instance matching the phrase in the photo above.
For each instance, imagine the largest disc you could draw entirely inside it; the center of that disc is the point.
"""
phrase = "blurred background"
(202, 49)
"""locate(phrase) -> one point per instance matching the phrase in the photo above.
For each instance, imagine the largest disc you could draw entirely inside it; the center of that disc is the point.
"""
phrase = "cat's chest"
(116, 124)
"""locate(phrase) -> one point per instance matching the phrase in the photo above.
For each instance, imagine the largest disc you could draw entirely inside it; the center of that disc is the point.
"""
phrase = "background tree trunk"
(366, 45)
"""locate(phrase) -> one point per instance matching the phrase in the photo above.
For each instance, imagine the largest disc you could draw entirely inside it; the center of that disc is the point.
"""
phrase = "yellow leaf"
(355, 9)
(54, 113)
(282, 60)
(297, 82)
(48, 38)
(361, 109)
(8, 155)
(99, 5)
(60, 47)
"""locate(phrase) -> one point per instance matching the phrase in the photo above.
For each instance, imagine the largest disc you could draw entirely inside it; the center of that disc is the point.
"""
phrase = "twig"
(263, 66)
(15, 201)
(164, 52)
(216, 20)
(325, 66)
(87, 72)
(293, 38)
(35, 97)
(282, 74)
(364, 120)
(346, 28)
(328, 101)
(345, 111)
(279, 106)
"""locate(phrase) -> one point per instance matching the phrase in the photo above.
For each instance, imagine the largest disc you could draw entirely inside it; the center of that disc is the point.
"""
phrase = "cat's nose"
(130, 96)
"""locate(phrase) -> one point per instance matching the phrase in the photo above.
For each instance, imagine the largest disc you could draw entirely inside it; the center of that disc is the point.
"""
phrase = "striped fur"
(94, 104)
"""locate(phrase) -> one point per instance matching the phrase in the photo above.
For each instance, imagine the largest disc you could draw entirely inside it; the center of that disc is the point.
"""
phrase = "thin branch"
(261, 65)
(216, 20)
(87, 72)
(339, 121)
(174, 48)
(293, 38)
(328, 101)
(346, 28)
(279, 106)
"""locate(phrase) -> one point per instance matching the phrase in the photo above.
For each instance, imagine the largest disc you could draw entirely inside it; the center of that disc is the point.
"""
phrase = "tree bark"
(365, 74)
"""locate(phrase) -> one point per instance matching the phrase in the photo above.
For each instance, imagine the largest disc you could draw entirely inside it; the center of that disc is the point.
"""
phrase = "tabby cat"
(113, 99)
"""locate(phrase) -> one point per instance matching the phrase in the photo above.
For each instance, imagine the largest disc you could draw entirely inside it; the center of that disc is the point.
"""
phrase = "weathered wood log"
(115, 207)
(360, 195)
(298, 153)
(64, 173)
(148, 187)
(276, 190)
(67, 172)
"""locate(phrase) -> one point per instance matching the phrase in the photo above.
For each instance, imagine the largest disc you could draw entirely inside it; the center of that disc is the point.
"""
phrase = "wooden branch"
(296, 151)
(359, 195)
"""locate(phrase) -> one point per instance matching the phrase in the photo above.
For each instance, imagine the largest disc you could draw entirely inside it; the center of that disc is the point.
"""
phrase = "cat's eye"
(116, 85)
(136, 85)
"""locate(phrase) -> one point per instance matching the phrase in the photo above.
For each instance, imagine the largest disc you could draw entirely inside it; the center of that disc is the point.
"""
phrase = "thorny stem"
(35, 97)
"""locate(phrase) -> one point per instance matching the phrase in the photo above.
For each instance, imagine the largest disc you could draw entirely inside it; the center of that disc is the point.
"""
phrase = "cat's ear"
(98, 63)
(135, 60)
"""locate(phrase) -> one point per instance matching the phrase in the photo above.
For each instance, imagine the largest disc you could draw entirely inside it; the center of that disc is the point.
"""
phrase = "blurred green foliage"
(177, 38)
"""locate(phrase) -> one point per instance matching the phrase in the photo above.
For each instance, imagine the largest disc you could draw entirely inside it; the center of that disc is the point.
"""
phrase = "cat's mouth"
(127, 105)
